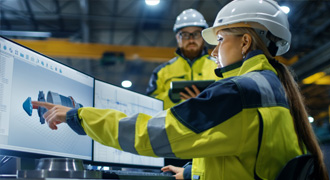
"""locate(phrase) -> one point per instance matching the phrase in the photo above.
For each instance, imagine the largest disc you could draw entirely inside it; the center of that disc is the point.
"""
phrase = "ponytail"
(306, 136)
(304, 131)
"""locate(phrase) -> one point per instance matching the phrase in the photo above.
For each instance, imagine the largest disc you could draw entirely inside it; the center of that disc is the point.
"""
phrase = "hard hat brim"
(210, 34)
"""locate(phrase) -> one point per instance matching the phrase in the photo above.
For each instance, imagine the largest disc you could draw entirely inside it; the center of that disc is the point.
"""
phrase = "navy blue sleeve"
(187, 171)
(73, 121)
(216, 104)
(152, 86)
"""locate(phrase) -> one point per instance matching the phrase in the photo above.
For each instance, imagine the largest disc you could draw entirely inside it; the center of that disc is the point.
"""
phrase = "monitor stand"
(59, 168)
(9, 164)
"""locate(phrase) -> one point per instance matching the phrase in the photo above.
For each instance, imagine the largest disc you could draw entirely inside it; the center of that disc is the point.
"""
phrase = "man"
(192, 61)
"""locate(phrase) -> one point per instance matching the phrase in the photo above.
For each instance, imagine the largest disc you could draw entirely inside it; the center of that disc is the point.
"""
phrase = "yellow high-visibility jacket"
(180, 69)
(238, 128)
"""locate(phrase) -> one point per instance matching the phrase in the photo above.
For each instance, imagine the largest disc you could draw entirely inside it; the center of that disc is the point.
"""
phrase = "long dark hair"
(306, 136)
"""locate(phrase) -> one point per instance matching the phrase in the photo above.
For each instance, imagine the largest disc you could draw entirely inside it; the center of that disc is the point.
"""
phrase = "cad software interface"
(26, 75)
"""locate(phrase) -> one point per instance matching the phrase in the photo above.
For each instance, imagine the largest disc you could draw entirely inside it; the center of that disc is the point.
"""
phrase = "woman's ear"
(246, 43)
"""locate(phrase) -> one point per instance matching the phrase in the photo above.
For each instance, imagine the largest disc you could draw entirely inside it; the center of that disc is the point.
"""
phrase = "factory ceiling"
(131, 25)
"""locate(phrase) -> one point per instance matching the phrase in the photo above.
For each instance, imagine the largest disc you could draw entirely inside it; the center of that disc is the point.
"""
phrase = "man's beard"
(191, 54)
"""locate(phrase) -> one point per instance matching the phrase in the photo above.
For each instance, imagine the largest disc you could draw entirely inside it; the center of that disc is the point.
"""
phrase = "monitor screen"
(108, 96)
(26, 75)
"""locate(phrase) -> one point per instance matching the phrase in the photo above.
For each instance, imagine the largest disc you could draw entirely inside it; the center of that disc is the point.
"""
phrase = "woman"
(245, 126)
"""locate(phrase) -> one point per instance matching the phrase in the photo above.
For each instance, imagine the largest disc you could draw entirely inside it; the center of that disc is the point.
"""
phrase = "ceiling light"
(285, 9)
(126, 84)
(311, 119)
(152, 2)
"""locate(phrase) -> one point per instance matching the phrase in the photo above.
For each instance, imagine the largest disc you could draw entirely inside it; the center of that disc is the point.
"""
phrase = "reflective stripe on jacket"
(179, 69)
(238, 128)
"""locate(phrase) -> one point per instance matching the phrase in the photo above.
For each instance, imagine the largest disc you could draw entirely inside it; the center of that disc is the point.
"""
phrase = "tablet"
(178, 86)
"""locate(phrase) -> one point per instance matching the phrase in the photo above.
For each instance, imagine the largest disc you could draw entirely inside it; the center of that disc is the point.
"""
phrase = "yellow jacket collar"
(255, 61)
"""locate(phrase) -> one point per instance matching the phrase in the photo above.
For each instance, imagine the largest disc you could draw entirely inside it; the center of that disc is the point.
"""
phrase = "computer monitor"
(109, 96)
(26, 75)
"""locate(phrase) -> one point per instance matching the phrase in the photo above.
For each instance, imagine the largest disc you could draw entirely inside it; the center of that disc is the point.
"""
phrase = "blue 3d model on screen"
(52, 97)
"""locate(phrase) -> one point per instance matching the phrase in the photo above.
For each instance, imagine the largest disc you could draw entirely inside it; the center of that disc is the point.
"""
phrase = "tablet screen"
(178, 86)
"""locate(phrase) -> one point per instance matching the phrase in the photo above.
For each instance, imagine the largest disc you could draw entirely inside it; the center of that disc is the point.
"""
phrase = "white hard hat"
(259, 14)
(189, 17)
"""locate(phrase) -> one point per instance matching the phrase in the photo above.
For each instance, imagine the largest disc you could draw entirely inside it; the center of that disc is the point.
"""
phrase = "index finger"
(42, 104)
(197, 91)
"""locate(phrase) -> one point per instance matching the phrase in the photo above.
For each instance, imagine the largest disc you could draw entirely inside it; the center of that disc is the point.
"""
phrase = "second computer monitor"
(108, 96)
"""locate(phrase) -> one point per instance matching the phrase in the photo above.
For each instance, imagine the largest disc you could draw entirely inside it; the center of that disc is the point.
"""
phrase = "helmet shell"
(252, 13)
(189, 17)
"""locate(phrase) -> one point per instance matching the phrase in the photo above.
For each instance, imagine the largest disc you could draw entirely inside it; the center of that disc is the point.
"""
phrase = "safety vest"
(180, 69)
(240, 127)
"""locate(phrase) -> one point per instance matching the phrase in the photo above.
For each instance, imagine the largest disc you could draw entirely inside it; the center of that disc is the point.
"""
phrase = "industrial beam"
(113, 23)
(84, 6)
(32, 18)
(62, 48)
(58, 11)
(313, 62)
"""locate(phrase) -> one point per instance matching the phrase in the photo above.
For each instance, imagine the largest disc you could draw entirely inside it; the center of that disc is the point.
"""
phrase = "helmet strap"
(269, 39)
(272, 48)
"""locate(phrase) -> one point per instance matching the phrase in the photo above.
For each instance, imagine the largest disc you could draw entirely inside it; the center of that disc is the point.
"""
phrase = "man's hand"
(191, 93)
(177, 170)
(55, 115)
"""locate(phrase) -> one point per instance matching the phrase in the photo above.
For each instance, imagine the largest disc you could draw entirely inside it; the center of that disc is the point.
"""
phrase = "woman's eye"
(220, 39)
